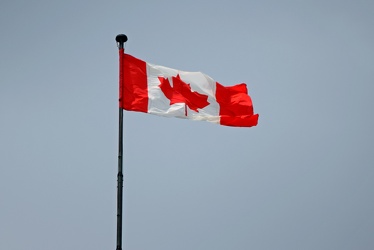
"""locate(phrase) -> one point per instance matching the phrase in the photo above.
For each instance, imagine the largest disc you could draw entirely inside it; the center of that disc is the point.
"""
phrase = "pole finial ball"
(121, 38)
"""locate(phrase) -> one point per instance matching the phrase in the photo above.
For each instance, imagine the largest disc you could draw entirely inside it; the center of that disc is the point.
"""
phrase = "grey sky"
(301, 179)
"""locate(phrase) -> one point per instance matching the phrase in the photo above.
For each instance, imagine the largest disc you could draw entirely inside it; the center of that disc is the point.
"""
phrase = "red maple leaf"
(181, 92)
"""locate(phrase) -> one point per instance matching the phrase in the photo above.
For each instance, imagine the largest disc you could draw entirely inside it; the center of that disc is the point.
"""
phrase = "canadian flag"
(158, 90)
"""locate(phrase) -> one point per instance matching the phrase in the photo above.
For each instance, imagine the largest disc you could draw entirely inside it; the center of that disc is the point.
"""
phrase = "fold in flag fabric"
(158, 90)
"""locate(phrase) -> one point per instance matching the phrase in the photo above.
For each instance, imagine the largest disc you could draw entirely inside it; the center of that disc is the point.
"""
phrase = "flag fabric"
(158, 90)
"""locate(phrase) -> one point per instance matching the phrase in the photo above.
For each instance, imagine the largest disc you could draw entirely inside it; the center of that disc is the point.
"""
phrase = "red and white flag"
(158, 90)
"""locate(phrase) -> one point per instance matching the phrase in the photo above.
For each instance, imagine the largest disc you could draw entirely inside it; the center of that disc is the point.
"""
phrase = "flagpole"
(120, 39)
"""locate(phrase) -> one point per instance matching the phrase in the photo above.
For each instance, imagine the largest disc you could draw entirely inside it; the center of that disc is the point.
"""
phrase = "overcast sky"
(302, 179)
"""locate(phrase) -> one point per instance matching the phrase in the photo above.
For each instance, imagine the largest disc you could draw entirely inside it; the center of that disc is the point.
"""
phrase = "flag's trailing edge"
(163, 91)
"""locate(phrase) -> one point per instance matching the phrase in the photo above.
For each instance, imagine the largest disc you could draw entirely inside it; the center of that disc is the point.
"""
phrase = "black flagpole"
(120, 39)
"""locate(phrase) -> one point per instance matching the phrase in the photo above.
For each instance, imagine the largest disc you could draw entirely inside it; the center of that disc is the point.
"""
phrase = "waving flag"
(158, 90)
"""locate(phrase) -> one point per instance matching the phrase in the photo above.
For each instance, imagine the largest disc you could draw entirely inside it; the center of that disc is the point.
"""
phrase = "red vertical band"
(121, 57)
(134, 90)
(235, 106)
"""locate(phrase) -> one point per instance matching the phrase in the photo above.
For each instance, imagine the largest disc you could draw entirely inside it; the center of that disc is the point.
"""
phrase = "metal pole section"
(120, 39)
